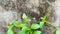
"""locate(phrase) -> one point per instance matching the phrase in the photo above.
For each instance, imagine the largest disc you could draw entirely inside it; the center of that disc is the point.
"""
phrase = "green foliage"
(10, 26)
(42, 22)
(24, 17)
(37, 32)
(22, 32)
(25, 28)
(16, 23)
(35, 26)
(10, 29)
(58, 31)
(22, 25)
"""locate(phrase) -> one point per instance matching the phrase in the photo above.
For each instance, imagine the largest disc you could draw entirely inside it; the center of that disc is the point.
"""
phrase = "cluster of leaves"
(25, 28)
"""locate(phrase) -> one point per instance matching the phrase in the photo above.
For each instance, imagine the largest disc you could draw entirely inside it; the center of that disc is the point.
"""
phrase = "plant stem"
(30, 32)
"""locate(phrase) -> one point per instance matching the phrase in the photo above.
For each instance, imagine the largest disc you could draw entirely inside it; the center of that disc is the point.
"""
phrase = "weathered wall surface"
(57, 13)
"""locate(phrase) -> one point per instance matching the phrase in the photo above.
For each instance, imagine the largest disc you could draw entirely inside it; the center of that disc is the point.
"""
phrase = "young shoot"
(43, 20)
(24, 17)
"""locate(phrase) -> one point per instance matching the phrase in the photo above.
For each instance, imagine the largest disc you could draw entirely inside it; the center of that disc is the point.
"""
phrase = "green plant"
(23, 32)
(24, 17)
(16, 24)
(43, 20)
(37, 32)
(10, 29)
(35, 26)
(26, 28)
(30, 29)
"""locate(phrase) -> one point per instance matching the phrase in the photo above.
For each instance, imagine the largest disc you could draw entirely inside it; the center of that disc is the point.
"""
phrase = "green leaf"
(16, 23)
(10, 26)
(22, 25)
(42, 22)
(35, 26)
(37, 32)
(24, 17)
(25, 28)
(10, 31)
(27, 32)
(58, 31)
(22, 32)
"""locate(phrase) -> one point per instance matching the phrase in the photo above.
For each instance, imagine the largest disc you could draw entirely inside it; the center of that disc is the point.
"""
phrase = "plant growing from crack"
(29, 29)
(25, 28)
